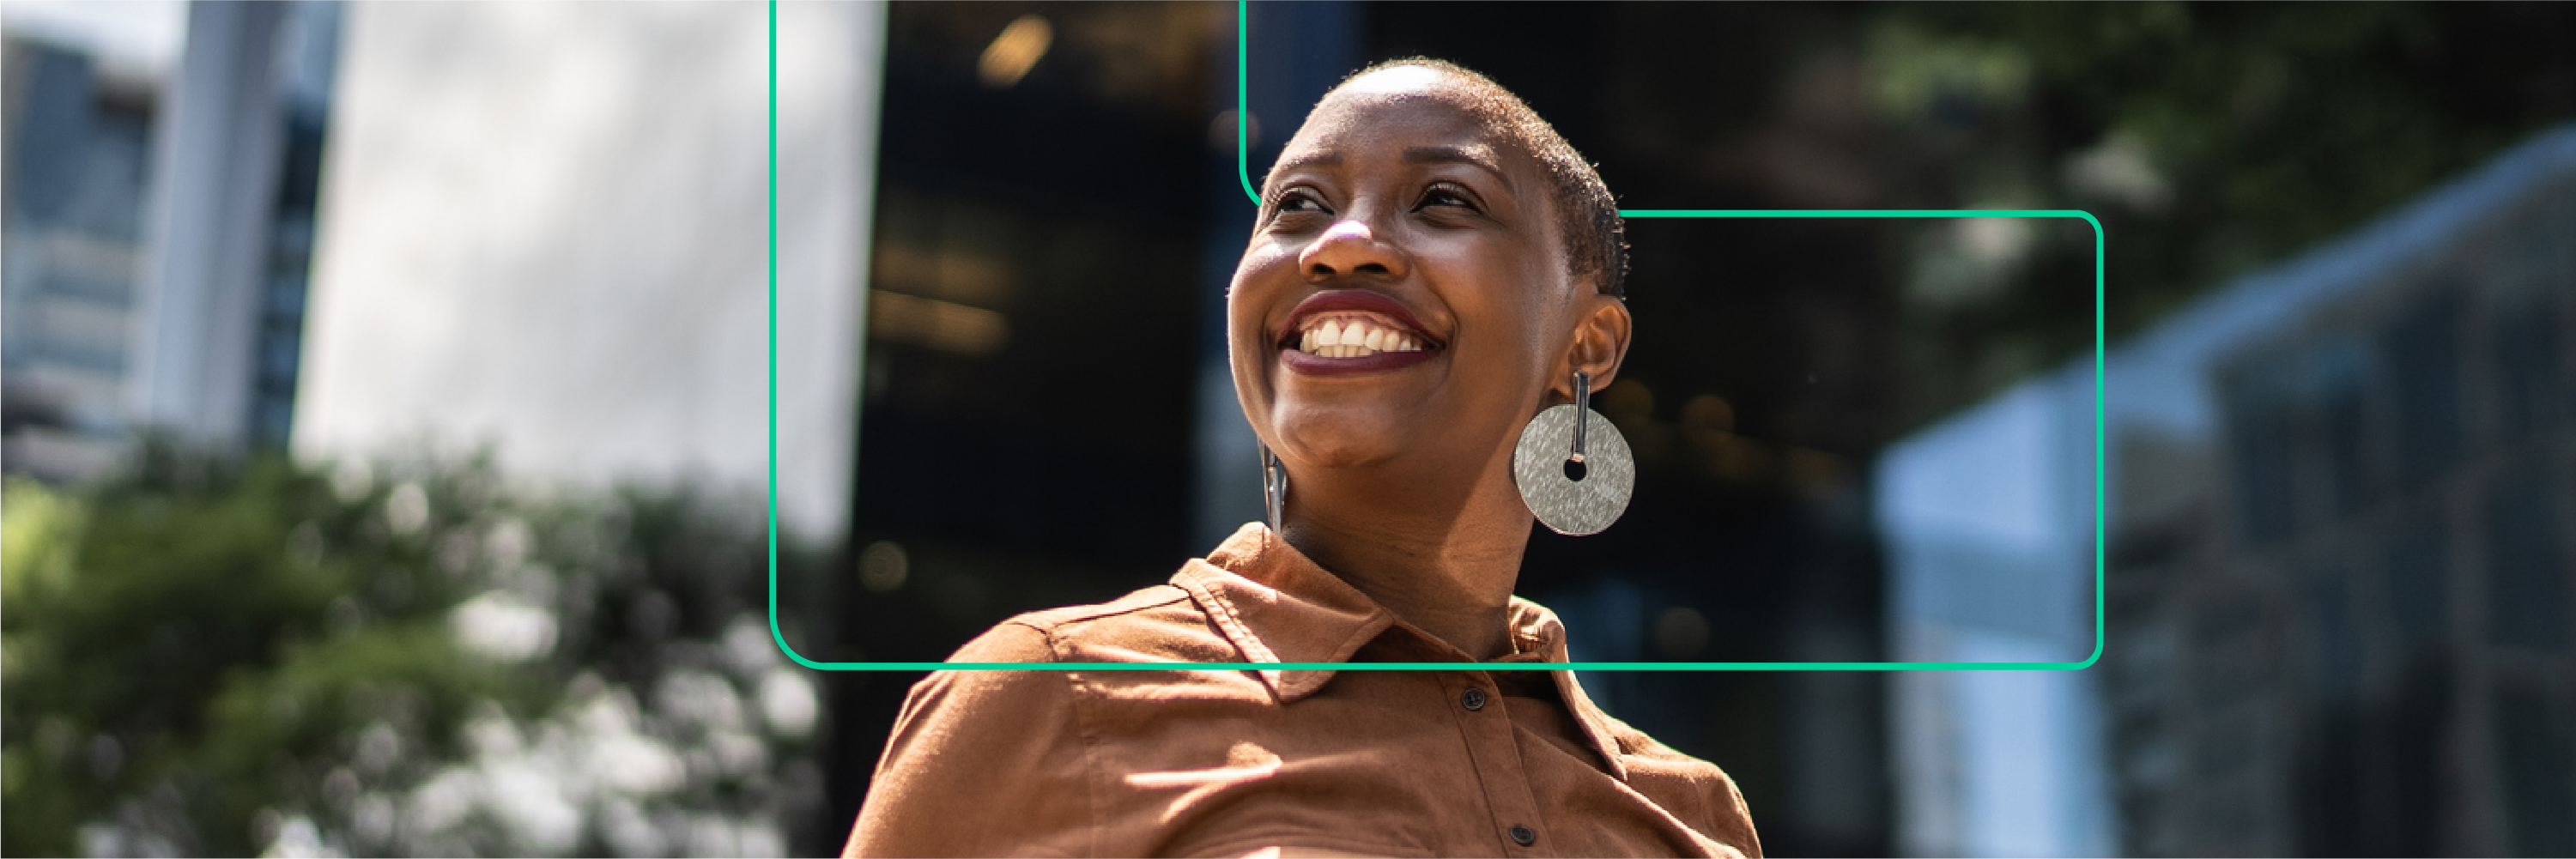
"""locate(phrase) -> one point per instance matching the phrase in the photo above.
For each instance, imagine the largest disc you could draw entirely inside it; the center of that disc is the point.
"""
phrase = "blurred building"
(159, 224)
(2339, 588)
(545, 236)
(2370, 605)
(79, 143)
(1988, 522)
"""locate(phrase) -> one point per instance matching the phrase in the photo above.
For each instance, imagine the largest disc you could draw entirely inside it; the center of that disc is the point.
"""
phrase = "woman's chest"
(1388, 764)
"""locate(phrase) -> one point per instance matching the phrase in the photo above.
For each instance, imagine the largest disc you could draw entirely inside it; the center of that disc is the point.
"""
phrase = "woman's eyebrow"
(1480, 157)
(1311, 159)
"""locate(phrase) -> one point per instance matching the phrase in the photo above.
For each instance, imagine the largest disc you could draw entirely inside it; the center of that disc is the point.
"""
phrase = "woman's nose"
(1350, 248)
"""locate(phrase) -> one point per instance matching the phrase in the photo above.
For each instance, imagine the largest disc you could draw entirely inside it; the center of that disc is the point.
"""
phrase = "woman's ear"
(1600, 343)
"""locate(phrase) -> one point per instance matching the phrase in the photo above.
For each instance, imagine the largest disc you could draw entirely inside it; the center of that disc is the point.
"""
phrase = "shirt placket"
(1495, 753)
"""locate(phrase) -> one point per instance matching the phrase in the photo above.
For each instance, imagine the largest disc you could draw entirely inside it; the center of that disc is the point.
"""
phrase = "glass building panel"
(2526, 577)
(2532, 752)
(2421, 345)
(2260, 446)
(2531, 386)
(2412, 712)
(2415, 582)
(2331, 800)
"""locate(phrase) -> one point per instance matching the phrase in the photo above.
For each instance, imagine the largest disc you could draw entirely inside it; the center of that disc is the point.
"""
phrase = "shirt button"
(1472, 699)
(1524, 836)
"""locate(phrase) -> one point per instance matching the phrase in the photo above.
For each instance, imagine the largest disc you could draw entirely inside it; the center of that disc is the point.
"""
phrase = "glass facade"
(79, 156)
(2361, 633)
(85, 138)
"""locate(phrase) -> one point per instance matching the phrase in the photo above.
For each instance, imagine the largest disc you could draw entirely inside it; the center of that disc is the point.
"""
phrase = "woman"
(1432, 266)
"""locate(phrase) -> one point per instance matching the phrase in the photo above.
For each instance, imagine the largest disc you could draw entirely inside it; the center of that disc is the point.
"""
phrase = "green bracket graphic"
(1243, 172)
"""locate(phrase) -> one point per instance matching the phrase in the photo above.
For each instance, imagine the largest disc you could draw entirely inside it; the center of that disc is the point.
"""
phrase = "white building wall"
(213, 193)
(543, 229)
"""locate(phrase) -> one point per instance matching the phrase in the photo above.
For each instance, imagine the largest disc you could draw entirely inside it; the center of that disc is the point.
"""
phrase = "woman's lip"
(1365, 300)
(1317, 365)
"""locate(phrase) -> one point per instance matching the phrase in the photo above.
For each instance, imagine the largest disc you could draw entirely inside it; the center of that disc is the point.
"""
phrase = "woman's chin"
(1338, 438)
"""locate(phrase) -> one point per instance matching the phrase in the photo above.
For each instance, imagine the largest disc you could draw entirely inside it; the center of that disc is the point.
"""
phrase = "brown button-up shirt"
(1491, 759)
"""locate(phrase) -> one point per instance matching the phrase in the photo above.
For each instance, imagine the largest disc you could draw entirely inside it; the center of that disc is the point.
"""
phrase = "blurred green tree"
(207, 656)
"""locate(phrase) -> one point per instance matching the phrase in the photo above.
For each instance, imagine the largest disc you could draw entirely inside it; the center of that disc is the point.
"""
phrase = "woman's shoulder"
(1693, 790)
(1156, 624)
(1150, 625)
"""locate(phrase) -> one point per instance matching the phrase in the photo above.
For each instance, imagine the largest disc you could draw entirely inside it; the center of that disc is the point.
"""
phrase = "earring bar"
(1582, 409)
(1274, 488)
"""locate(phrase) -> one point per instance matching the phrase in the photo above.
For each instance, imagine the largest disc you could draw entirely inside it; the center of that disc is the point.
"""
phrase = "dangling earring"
(1573, 468)
(1274, 488)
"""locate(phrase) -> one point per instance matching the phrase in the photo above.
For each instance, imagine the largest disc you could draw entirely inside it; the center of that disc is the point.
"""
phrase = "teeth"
(1354, 338)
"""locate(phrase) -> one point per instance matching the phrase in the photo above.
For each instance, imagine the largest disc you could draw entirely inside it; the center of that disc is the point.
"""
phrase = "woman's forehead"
(1410, 125)
(1397, 80)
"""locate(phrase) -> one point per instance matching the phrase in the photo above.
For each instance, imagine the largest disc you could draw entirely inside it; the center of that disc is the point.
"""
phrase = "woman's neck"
(1448, 568)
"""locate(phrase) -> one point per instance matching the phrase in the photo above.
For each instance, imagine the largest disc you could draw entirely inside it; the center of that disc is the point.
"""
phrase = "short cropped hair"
(1587, 216)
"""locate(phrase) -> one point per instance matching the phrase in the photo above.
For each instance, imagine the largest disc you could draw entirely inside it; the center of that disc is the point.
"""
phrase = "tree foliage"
(2210, 138)
(216, 657)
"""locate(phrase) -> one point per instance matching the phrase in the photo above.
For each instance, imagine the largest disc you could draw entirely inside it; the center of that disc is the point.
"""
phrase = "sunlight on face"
(1405, 295)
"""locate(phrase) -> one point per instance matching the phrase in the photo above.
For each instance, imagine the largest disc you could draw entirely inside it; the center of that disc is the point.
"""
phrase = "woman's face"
(1405, 299)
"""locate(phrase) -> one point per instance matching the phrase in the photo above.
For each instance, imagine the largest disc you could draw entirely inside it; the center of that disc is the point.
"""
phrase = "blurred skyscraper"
(78, 145)
(159, 223)
(2339, 593)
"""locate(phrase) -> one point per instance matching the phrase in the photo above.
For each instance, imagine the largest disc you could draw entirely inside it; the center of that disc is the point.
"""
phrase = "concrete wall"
(543, 229)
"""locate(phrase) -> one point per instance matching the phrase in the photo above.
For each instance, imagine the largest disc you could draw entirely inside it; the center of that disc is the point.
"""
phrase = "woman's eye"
(1300, 203)
(1445, 197)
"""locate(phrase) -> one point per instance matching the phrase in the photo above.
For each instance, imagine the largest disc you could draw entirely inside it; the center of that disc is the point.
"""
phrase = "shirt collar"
(1275, 606)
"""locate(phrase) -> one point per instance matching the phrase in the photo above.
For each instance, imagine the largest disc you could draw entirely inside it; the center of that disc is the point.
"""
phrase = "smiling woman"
(1432, 266)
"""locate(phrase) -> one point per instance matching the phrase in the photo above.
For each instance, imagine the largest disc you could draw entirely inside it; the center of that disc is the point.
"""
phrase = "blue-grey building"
(2341, 495)
(158, 226)
(71, 250)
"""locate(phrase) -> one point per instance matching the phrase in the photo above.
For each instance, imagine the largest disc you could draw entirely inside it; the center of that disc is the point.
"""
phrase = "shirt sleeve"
(982, 763)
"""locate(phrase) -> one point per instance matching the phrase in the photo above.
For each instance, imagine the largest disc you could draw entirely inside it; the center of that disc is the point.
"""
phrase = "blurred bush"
(212, 656)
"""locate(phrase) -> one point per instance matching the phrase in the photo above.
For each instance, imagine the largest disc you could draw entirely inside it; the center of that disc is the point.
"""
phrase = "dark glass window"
(2336, 374)
(2526, 577)
(2412, 713)
(2531, 387)
(2334, 658)
(2422, 349)
(2260, 445)
(2330, 794)
(2415, 576)
(2532, 751)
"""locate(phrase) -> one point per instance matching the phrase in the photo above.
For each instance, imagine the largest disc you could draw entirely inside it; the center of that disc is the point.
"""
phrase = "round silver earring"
(1274, 488)
(1573, 468)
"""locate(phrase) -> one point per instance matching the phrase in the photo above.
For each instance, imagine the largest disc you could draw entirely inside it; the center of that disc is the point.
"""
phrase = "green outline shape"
(1243, 173)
